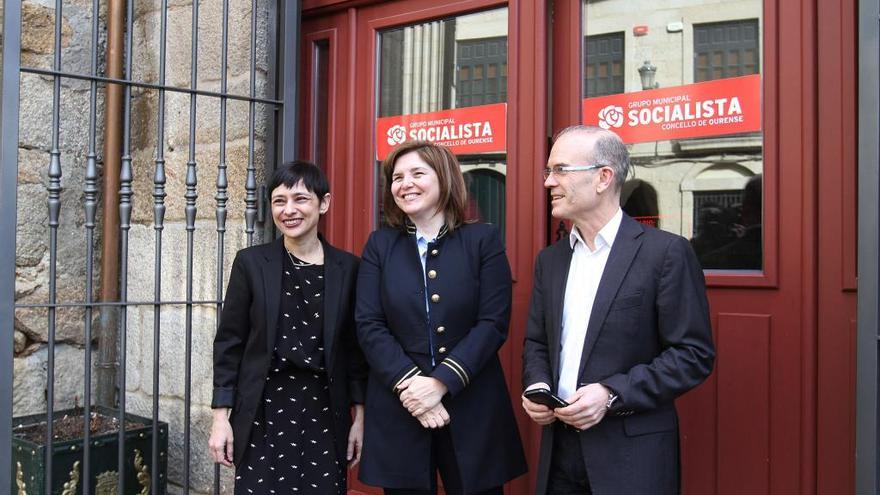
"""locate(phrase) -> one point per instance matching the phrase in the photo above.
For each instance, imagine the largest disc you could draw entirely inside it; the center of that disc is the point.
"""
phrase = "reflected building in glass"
(703, 181)
(454, 63)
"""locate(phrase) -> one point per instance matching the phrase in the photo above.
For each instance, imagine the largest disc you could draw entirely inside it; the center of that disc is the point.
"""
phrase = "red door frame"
(351, 27)
(777, 416)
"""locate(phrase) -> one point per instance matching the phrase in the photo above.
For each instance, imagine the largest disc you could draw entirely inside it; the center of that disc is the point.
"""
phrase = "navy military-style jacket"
(467, 283)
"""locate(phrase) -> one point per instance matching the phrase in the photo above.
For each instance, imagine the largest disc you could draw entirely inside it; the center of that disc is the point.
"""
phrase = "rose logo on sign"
(611, 116)
(396, 135)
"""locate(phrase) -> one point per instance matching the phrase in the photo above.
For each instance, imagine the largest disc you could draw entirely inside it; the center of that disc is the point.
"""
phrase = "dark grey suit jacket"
(648, 339)
(245, 339)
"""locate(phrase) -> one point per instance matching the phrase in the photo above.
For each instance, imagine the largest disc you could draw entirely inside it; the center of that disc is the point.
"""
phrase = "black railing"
(282, 35)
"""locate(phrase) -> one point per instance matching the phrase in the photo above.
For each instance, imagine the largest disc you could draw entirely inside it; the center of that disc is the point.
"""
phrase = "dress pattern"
(291, 449)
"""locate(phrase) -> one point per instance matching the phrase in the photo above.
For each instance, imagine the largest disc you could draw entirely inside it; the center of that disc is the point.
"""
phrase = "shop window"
(726, 49)
(603, 70)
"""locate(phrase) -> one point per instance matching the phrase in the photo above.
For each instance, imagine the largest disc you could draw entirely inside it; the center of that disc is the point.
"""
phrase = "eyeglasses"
(560, 170)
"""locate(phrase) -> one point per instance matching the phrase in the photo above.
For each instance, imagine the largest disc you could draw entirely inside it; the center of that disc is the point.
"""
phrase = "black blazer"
(649, 339)
(468, 273)
(246, 337)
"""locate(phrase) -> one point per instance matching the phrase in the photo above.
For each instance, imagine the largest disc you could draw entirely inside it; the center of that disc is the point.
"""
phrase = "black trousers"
(443, 460)
(568, 473)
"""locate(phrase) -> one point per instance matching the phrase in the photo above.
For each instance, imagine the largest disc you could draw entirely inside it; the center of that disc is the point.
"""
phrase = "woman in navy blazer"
(433, 307)
(288, 373)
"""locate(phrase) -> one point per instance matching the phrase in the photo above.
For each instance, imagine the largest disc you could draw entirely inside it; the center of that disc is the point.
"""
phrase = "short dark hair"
(291, 173)
(453, 192)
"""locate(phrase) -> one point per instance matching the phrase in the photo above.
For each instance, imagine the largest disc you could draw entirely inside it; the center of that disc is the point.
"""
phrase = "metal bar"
(867, 477)
(290, 49)
(191, 196)
(158, 226)
(145, 85)
(125, 194)
(54, 203)
(99, 304)
(271, 150)
(9, 103)
(90, 190)
(250, 199)
(222, 184)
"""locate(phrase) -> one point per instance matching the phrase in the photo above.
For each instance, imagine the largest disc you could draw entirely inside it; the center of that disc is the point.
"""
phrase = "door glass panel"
(321, 105)
(446, 81)
(681, 85)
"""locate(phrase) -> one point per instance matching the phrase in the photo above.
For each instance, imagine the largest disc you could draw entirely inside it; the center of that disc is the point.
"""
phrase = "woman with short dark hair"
(433, 307)
(288, 373)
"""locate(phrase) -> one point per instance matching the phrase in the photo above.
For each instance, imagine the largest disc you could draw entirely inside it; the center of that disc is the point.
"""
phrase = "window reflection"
(697, 173)
(451, 64)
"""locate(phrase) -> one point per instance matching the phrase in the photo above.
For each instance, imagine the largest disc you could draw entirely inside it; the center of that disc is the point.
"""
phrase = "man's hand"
(586, 406)
(539, 413)
(355, 437)
(434, 418)
(220, 442)
(420, 394)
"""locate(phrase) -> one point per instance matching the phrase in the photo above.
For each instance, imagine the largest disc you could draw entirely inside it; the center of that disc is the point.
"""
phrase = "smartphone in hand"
(544, 397)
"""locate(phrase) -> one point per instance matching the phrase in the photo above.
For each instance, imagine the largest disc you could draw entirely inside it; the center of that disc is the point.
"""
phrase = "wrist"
(441, 386)
(221, 413)
(610, 399)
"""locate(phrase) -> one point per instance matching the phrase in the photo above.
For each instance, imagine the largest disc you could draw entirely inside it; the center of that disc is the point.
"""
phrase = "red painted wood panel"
(526, 200)
(698, 415)
(743, 378)
(836, 204)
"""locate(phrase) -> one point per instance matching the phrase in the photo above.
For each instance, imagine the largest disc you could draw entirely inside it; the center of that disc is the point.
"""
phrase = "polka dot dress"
(291, 449)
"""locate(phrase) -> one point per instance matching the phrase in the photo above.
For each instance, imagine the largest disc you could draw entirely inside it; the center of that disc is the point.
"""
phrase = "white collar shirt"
(584, 275)
(422, 245)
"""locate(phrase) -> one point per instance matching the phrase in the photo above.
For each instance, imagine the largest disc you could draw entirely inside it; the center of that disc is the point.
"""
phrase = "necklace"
(296, 261)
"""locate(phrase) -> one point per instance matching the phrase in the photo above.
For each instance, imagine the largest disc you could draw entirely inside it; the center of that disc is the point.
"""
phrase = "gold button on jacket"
(435, 298)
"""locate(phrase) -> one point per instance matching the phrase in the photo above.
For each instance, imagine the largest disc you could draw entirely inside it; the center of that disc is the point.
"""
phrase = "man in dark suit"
(618, 327)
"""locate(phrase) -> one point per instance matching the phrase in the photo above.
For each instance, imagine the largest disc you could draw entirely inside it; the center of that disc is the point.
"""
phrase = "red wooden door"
(342, 67)
(777, 414)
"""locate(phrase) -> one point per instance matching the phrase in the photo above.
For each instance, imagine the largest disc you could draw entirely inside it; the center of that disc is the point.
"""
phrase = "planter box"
(28, 456)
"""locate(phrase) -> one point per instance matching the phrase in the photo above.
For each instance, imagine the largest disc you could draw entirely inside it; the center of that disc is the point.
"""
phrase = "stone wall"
(32, 243)
(32, 235)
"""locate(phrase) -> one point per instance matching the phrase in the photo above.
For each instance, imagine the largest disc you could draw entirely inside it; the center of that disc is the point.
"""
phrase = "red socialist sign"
(712, 108)
(481, 129)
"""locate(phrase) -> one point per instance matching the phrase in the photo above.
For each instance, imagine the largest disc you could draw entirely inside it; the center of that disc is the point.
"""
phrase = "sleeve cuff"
(223, 397)
(409, 373)
(452, 374)
(356, 391)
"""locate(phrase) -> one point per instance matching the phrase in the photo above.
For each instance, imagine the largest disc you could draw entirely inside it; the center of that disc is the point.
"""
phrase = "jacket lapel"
(560, 263)
(272, 268)
(623, 251)
(332, 290)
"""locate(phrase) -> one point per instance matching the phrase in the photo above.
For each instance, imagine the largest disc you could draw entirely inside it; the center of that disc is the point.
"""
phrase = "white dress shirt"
(584, 275)
(422, 242)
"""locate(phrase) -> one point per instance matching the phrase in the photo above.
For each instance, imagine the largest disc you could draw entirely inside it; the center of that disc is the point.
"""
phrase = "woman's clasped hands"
(421, 396)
